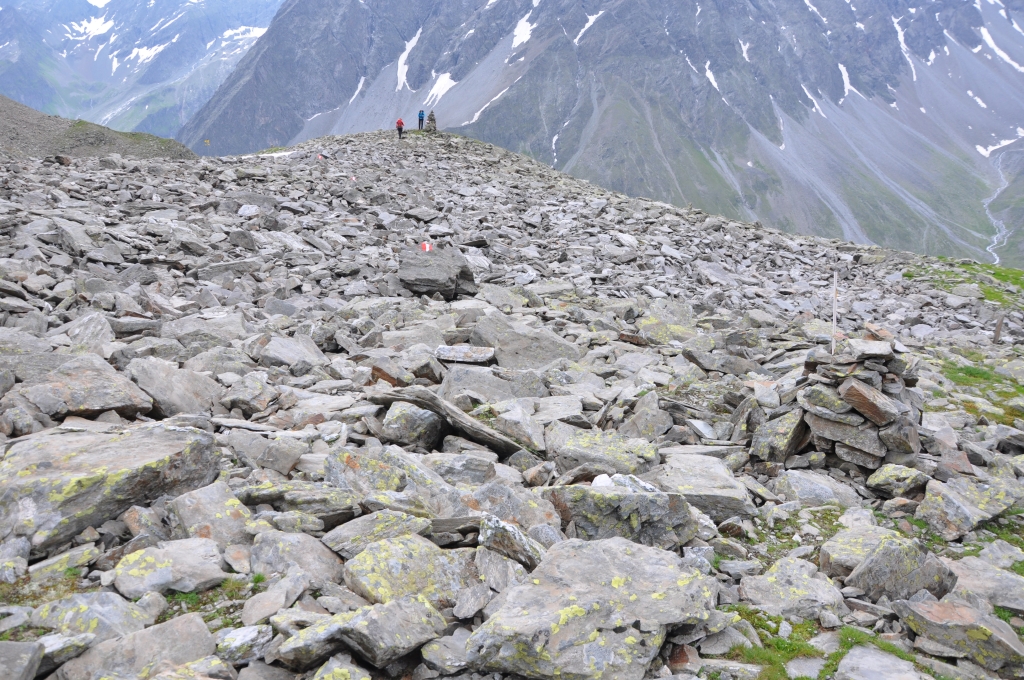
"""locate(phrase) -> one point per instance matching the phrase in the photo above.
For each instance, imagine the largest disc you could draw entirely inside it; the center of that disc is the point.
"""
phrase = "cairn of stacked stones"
(427, 409)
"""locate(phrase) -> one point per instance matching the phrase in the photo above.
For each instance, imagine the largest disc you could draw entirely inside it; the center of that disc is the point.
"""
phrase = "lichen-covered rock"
(811, 490)
(509, 540)
(411, 565)
(185, 566)
(706, 483)
(54, 485)
(447, 655)
(898, 568)
(662, 520)
(789, 589)
(277, 552)
(240, 646)
(351, 538)
(410, 425)
(977, 577)
(515, 505)
(104, 615)
(897, 480)
(20, 660)
(331, 505)
(592, 608)
(841, 554)
(571, 447)
(341, 667)
(179, 641)
(385, 632)
(988, 641)
(861, 437)
(777, 440)
(55, 568)
(380, 633)
(85, 386)
(213, 512)
(955, 507)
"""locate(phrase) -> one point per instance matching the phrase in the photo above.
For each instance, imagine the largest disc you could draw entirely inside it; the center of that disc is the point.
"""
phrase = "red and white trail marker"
(426, 247)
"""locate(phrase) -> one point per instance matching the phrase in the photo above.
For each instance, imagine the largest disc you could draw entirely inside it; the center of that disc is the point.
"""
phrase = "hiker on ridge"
(423, 117)
(400, 126)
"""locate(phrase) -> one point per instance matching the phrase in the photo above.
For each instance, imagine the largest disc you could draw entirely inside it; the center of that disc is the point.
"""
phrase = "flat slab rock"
(566, 620)
(75, 480)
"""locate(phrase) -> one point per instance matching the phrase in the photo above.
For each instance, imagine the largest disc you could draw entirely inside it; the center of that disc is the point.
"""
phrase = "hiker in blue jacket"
(422, 118)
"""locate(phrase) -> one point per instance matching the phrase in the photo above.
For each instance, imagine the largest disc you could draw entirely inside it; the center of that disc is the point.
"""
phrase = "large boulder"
(842, 553)
(812, 489)
(351, 538)
(85, 386)
(987, 640)
(180, 641)
(55, 484)
(662, 520)
(20, 660)
(867, 662)
(777, 440)
(174, 390)
(520, 346)
(185, 566)
(411, 565)
(958, 506)
(276, 552)
(380, 633)
(789, 588)
(445, 272)
(103, 615)
(706, 483)
(571, 447)
(291, 352)
(898, 568)
(213, 512)
(977, 577)
(598, 608)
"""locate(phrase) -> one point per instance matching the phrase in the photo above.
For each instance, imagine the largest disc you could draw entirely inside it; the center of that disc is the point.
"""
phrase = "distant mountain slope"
(866, 120)
(27, 132)
(130, 64)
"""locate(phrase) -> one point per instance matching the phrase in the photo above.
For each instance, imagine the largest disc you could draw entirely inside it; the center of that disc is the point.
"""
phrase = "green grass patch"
(968, 376)
(258, 579)
(1007, 615)
(190, 600)
(25, 593)
(850, 638)
(777, 651)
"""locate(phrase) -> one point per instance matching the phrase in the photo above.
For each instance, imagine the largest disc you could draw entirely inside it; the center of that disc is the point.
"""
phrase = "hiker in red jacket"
(400, 125)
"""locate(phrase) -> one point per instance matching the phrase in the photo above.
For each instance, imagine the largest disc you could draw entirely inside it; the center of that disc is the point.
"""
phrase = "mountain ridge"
(846, 120)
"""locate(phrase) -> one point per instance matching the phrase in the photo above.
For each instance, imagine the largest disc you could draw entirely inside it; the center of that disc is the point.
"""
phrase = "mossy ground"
(224, 602)
(1001, 285)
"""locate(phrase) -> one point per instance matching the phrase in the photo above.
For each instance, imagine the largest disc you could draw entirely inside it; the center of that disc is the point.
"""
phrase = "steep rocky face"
(144, 66)
(434, 408)
(874, 122)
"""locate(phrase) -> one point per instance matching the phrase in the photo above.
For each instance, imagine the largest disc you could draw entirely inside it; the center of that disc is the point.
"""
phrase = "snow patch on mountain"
(441, 86)
(403, 65)
(590, 22)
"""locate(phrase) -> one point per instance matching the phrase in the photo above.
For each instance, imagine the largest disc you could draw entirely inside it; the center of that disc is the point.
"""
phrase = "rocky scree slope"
(253, 430)
(29, 133)
(876, 122)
